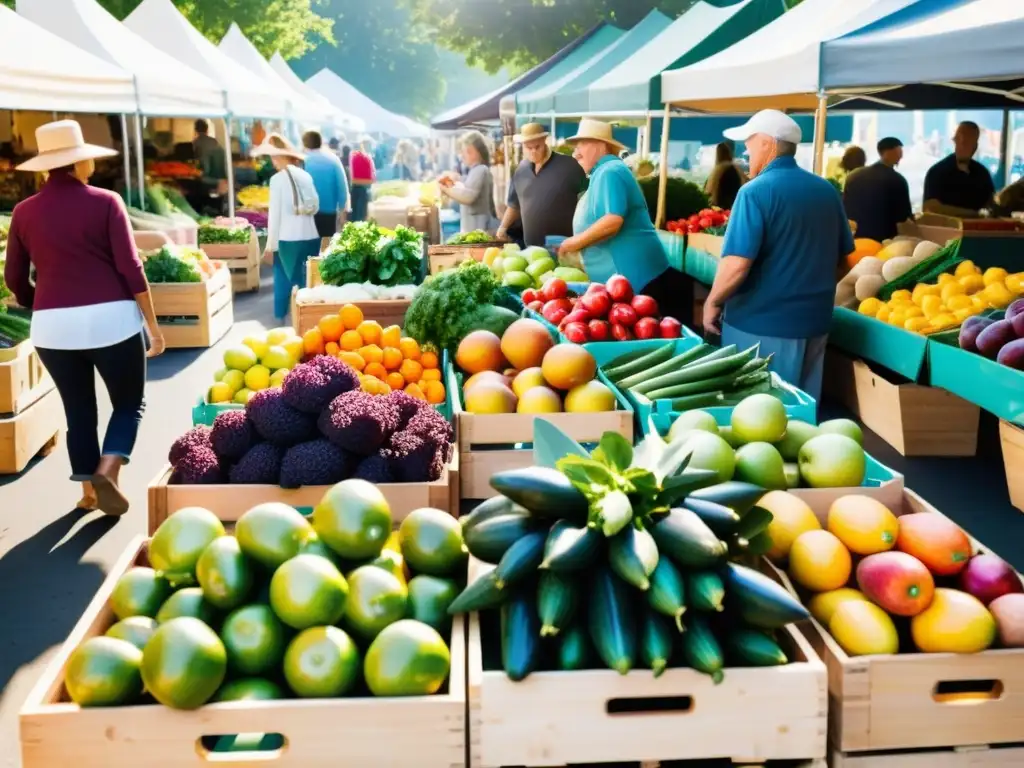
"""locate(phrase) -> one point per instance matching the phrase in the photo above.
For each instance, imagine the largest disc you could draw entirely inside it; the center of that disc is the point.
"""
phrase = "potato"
(925, 249)
(897, 267)
(845, 292)
(868, 286)
(869, 265)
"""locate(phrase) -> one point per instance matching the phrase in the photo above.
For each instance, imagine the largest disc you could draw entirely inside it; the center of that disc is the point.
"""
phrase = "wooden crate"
(961, 757)
(384, 311)
(23, 379)
(1012, 438)
(32, 432)
(243, 259)
(442, 257)
(313, 272)
(194, 314)
(915, 419)
(897, 702)
(422, 731)
(229, 502)
(563, 718)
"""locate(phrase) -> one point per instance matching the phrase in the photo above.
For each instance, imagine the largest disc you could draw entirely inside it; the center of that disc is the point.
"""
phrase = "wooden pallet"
(243, 259)
(384, 311)
(194, 314)
(32, 432)
(421, 731)
(23, 379)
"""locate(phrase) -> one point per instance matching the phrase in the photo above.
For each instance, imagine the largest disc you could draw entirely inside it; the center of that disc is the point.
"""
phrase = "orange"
(353, 359)
(864, 525)
(371, 332)
(351, 316)
(351, 341)
(818, 561)
(312, 342)
(376, 370)
(411, 370)
(415, 391)
(410, 348)
(391, 336)
(330, 327)
(392, 358)
(330, 348)
(428, 359)
(434, 390)
(431, 374)
(371, 353)
(395, 381)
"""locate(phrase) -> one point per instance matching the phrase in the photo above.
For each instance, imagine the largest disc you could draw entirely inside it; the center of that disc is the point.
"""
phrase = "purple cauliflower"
(232, 435)
(278, 422)
(260, 466)
(197, 436)
(199, 466)
(317, 462)
(359, 422)
(430, 425)
(375, 469)
(311, 386)
(408, 406)
(415, 459)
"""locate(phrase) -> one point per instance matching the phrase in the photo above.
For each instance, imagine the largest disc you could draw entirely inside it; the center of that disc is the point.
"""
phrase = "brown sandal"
(108, 496)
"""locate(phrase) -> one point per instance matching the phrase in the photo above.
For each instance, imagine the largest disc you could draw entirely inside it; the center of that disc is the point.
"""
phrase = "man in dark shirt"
(959, 185)
(544, 189)
(213, 164)
(877, 197)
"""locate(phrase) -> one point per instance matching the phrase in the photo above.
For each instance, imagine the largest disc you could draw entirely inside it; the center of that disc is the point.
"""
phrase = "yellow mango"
(870, 307)
(959, 302)
(883, 313)
(897, 317)
(972, 283)
(945, 279)
(919, 293)
(994, 275)
(943, 320)
(965, 268)
(901, 295)
(979, 301)
(1014, 283)
(931, 306)
(916, 324)
(914, 312)
(998, 295)
(951, 288)
(963, 314)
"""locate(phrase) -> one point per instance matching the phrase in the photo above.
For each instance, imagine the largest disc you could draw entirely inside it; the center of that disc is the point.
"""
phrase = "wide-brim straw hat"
(267, 149)
(530, 132)
(60, 144)
(596, 130)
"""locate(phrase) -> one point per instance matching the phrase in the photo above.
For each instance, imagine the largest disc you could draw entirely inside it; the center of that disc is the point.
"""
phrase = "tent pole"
(554, 123)
(230, 166)
(820, 116)
(1004, 152)
(659, 219)
(126, 156)
(140, 161)
(646, 149)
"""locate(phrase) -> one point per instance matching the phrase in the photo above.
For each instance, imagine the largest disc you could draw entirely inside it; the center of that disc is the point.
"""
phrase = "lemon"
(971, 283)
(257, 378)
(277, 357)
(219, 374)
(965, 268)
(950, 289)
(277, 377)
(897, 317)
(913, 311)
(959, 302)
(234, 379)
(883, 313)
(963, 314)
(220, 393)
(946, 279)
(943, 320)
(258, 344)
(242, 396)
(979, 302)
(931, 306)
(278, 335)
(1015, 283)
(994, 275)
(916, 324)
(901, 295)
(294, 347)
(870, 307)
(998, 295)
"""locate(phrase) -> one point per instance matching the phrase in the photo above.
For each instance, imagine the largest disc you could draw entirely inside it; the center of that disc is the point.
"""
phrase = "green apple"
(832, 461)
(843, 427)
(797, 433)
(761, 464)
(759, 419)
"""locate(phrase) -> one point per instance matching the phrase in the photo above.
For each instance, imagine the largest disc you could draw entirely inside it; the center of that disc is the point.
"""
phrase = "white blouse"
(92, 326)
(282, 222)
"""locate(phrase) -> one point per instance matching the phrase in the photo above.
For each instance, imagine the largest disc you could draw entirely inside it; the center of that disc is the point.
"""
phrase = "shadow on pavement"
(46, 587)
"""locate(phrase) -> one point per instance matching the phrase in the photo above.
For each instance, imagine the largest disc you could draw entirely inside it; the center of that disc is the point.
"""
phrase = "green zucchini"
(575, 651)
(718, 383)
(492, 507)
(633, 556)
(751, 648)
(521, 560)
(756, 365)
(612, 513)
(702, 369)
(701, 351)
(695, 402)
(747, 381)
(571, 548)
(557, 600)
(667, 594)
(545, 492)
(623, 360)
(685, 538)
(642, 363)
(612, 621)
(738, 396)
(657, 640)
(520, 639)
(759, 601)
(478, 596)
(491, 539)
(738, 496)
(705, 590)
(701, 649)
(719, 518)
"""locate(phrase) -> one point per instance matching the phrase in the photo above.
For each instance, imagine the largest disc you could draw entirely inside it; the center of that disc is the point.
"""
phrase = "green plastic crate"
(989, 385)
(894, 348)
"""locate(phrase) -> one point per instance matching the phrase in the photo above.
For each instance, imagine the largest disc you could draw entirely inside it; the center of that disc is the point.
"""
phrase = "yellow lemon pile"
(945, 304)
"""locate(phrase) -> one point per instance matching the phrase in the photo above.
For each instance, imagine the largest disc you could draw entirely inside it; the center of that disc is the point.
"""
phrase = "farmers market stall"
(192, 295)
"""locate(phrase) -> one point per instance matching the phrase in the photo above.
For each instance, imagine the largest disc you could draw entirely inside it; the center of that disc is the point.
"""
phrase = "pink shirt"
(362, 167)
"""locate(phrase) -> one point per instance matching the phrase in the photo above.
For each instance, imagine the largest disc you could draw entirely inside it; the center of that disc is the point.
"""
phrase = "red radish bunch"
(706, 219)
(604, 313)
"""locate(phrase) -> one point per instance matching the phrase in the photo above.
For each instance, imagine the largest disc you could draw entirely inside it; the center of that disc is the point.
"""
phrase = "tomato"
(576, 333)
(670, 328)
(599, 330)
(621, 333)
(646, 328)
(619, 288)
(644, 306)
(622, 314)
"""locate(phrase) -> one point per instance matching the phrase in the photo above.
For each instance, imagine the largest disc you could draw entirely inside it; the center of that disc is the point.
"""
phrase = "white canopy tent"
(343, 119)
(377, 119)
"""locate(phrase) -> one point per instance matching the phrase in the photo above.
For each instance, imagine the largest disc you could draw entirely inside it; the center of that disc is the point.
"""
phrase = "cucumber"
(520, 641)
(613, 512)
(750, 648)
(521, 561)
(718, 383)
(491, 539)
(705, 590)
(633, 556)
(739, 395)
(759, 601)
(720, 519)
(691, 402)
(545, 492)
(478, 596)
(657, 639)
(756, 365)
(575, 651)
(701, 649)
(571, 548)
(685, 538)
(612, 621)
(492, 507)
(557, 600)
(673, 364)
(623, 360)
(702, 369)
(747, 381)
(667, 594)
(642, 363)
(738, 496)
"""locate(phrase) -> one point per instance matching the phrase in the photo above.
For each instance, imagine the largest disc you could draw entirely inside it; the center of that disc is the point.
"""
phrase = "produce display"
(884, 584)
(712, 220)
(172, 169)
(254, 196)
(260, 362)
(257, 218)
(323, 607)
(383, 359)
(898, 257)
(526, 371)
(476, 237)
(625, 559)
(529, 268)
(225, 231)
(605, 312)
(14, 329)
(999, 337)
(363, 252)
(683, 198)
(177, 264)
(354, 292)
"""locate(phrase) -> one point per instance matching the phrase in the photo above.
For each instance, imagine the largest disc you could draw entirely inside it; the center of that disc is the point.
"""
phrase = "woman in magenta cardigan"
(90, 305)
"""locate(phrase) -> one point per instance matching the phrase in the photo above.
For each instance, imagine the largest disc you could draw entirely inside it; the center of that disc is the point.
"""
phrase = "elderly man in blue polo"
(787, 235)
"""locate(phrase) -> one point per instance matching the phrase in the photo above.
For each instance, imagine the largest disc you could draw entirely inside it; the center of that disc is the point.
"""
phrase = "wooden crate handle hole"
(965, 692)
(647, 705)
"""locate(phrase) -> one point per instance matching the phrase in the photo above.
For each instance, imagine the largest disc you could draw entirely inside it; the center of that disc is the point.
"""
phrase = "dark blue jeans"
(122, 367)
(360, 202)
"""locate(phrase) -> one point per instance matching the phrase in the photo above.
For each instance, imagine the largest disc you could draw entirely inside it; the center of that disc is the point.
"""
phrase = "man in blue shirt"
(331, 185)
(786, 237)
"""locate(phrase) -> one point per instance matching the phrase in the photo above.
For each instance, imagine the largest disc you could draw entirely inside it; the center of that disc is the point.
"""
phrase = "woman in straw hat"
(612, 227)
(292, 236)
(91, 305)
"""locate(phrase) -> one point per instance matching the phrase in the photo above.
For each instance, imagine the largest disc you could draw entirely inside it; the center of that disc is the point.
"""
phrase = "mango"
(489, 397)
(539, 400)
(864, 525)
(592, 397)
(525, 343)
(955, 622)
(823, 606)
(897, 582)
(936, 541)
(863, 629)
(527, 379)
(566, 366)
(818, 561)
(480, 351)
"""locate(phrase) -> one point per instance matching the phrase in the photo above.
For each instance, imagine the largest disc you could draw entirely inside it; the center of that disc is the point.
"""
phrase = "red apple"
(529, 295)
(597, 303)
(599, 330)
(619, 288)
(646, 328)
(644, 306)
(556, 288)
(622, 314)
(670, 328)
(621, 332)
(576, 333)
(556, 315)
(536, 306)
(576, 316)
(596, 288)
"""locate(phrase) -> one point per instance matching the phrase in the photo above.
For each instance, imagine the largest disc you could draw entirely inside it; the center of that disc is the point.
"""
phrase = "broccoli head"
(197, 436)
(311, 386)
(415, 459)
(359, 422)
(198, 466)
(232, 435)
(408, 406)
(317, 462)
(375, 469)
(261, 465)
(278, 422)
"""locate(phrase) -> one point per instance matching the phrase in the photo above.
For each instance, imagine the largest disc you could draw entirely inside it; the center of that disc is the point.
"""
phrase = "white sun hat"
(60, 144)
(771, 122)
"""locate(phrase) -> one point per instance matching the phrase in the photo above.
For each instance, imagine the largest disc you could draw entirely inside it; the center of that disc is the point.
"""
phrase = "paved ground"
(52, 560)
